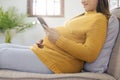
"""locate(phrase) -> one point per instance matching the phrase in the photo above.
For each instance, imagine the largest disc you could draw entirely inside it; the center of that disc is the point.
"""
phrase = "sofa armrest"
(13, 75)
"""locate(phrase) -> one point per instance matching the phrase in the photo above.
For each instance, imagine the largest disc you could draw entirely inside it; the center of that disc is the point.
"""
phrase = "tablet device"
(42, 21)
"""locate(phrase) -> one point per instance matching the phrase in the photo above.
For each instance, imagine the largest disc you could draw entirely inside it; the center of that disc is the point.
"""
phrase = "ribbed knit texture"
(81, 40)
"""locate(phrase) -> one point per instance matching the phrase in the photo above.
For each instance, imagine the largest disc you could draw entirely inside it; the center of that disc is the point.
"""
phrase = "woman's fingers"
(40, 44)
(41, 41)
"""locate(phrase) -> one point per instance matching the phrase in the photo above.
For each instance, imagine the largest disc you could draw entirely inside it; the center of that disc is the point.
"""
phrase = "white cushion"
(101, 63)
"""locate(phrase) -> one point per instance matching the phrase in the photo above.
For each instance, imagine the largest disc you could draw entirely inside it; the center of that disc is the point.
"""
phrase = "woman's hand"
(40, 44)
(52, 34)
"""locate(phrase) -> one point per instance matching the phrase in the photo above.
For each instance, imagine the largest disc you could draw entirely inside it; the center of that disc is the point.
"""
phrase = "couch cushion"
(116, 12)
(114, 65)
(101, 63)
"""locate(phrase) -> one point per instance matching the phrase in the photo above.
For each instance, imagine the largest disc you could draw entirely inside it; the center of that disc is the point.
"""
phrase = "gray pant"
(21, 58)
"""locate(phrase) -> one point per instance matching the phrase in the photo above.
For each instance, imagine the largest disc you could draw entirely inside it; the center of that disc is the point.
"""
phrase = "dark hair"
(103, 7)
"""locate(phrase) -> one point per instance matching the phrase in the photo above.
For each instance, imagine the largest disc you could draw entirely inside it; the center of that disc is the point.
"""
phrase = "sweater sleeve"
(88, 51)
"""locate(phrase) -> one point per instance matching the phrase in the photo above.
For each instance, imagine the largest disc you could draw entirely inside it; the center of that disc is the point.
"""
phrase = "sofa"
(112, 73)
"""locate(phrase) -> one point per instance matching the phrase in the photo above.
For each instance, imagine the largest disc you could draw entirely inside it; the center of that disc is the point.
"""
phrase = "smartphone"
(42, 21)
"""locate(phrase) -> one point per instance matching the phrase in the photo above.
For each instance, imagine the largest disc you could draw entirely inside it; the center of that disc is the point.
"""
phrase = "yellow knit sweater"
(81, 41)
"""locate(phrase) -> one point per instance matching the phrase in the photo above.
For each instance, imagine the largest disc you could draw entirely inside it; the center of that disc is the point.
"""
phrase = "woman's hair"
(103, 7)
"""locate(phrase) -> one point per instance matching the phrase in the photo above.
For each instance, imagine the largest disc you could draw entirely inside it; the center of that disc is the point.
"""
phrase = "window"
(114, 4)
(46, 7)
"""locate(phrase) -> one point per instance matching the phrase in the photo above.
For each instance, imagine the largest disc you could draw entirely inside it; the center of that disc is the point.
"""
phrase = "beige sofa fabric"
(116, 11)
(9, 74)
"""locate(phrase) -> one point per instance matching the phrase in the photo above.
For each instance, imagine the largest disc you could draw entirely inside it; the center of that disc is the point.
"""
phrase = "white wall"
(30, 36)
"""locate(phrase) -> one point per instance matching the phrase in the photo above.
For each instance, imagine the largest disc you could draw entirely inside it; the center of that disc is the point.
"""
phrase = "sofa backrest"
(114, 64)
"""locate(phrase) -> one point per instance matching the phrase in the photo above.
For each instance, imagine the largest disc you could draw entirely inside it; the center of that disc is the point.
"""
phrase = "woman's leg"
(21, 60)
(7, 45)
